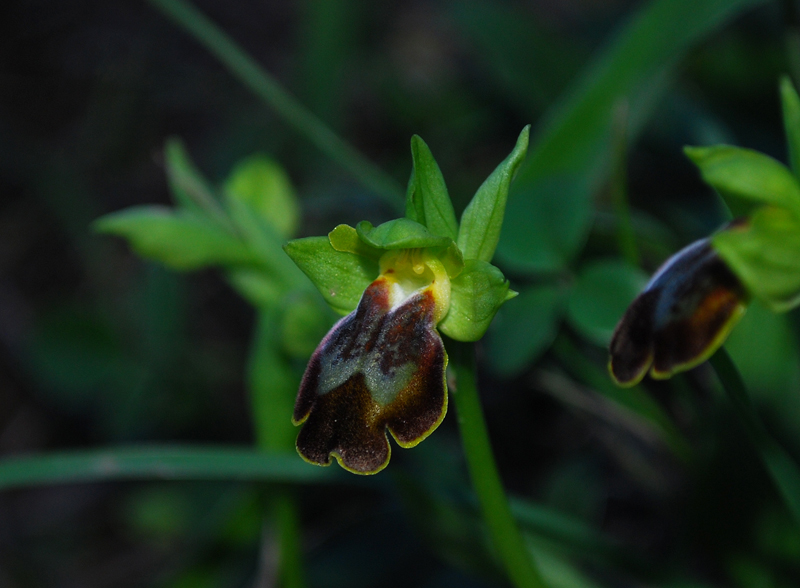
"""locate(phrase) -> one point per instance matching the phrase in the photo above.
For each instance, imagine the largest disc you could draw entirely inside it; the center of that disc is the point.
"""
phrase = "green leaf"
(428, 201)
(600, 296)
(748, 174)
(400, 233)
(182, 240)
(524, 328)
(339, 276)
(791, 122)
(574, 137)
(189, 187)
(265, 242)
(475, 296)
(765, 255)
(262, 183)
(546, 224)
(482, 220)
(256, 286)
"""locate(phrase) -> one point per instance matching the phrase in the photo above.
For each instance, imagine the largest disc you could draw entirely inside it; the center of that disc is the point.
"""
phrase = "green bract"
(764, 250)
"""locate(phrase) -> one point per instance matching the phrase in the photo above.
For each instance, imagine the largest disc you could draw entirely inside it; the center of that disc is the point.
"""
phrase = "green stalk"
(254, 77)
(272, 384)
(779, 464)
(503, 529)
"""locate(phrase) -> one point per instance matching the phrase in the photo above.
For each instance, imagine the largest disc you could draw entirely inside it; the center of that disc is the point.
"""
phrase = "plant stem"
(253, 76)
(779, 464)
(272, 384)
(503, 529)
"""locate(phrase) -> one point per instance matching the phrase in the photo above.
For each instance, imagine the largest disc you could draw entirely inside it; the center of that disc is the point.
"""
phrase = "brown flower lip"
(380, 368)
(681, 317)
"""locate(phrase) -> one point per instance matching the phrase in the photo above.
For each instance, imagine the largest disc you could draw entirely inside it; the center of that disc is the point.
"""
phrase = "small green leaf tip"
(482, 220)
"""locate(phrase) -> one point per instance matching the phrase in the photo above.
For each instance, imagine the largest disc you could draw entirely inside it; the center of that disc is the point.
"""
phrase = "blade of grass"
(254, 77)
(158, 462)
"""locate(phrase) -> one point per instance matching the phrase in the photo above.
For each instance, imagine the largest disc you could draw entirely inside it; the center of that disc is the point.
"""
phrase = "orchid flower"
(382, 367)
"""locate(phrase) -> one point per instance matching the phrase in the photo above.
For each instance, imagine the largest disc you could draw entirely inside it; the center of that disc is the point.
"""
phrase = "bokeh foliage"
(656, 485)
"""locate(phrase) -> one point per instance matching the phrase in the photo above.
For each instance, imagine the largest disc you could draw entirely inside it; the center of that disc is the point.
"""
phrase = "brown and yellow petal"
(683, 315)
(380, 368)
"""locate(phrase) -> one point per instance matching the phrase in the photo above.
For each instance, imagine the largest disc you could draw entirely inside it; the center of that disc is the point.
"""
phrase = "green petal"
(483, 218)
(765, 255)
(475, 296)
(400, 233)
(339, 276)
(345, 238)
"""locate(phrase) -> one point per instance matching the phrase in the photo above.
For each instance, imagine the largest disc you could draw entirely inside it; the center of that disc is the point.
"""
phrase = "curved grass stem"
(254, 77)
(503, 529)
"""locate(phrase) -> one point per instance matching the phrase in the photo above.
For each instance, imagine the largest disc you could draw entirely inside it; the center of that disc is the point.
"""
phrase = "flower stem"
(779, 464)
(254, 77)
(272, 383)
(503, 529)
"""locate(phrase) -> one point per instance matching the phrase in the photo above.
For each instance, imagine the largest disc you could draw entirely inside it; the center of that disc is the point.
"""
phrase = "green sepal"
(747, 174)
(476, 294)
(180, 239)
(401, 233)
(427, 200)
(264, 185)
(340, 277)
(482, 220)
(791, 122)
(345, 238)
(765, 255)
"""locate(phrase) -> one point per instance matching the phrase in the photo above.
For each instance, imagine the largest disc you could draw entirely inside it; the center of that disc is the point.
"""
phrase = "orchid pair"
(382, 367)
